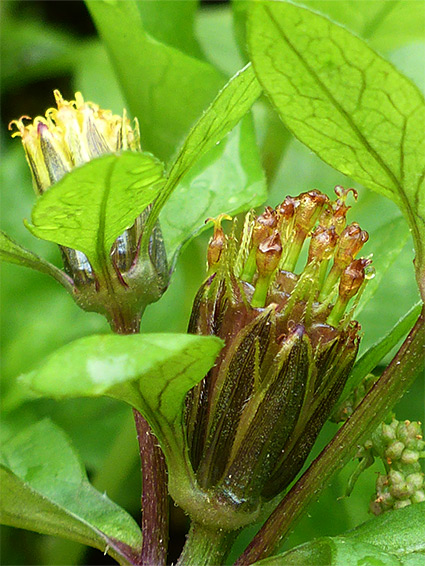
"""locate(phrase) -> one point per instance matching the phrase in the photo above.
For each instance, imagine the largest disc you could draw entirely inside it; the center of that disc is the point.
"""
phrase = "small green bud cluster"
(400, 445)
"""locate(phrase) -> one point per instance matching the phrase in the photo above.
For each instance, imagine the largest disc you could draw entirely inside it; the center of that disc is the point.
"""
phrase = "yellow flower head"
(72, 134)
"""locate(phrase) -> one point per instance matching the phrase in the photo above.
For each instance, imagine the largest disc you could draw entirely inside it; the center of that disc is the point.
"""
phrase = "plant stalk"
(394, 381)
(154, 476)
(154, 496)
(206, 547)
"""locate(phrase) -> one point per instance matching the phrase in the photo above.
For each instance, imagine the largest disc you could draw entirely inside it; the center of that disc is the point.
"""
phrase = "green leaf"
(151, 372)
(393, 539)
(386, 25)
(165, 88)
(95, 203)
(346, 103)
(227, 109)
(12, 252)
(387, 242)
(45, 489)
(204, 191)
(332, 552)
(371, 358)
(399, 532)
(172, 23)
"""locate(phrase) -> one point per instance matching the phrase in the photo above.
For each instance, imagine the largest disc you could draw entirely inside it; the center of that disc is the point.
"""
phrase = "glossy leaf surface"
(151, 372)
(93, 204)
(229, 179)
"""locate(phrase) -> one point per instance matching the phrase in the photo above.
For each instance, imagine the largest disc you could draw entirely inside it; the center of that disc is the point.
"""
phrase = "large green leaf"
(345, 102)
(227, 109)
(229, 179)
(172, 23)
(93, 204)
(386, 25)
(151, 372)
(165, 88)
(395, 538)
(45, 489)
(399, 532)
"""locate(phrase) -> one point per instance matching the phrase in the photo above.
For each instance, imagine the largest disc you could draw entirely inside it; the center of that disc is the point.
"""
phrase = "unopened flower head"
(290, 343)
(72, 134)
(68, 136)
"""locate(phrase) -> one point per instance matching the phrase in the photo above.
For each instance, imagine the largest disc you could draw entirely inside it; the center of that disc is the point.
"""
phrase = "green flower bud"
(404, 481)
(394, 451)
(418, 496)
(409, 456)
(402, 503)
(253, 420)
(415, 481)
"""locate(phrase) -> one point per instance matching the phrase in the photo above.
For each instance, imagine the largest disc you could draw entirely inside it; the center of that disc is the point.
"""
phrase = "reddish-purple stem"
(154, 496)
(154, 477)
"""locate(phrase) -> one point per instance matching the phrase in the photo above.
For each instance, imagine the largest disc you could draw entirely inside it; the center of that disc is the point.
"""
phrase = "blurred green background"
(49, 44)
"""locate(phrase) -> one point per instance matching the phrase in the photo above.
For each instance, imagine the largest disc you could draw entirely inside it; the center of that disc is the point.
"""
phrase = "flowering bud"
(268, 254)
(352, 278)
(69, 136)
(286, 210)
(217, 243)
(323, 242)
(309, 209)
(350, 243)
(252, 421)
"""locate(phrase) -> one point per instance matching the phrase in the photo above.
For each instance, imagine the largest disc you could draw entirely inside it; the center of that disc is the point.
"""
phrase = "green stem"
(250, 266)
(337, 313)
(394, 381)
(206, 547)
(330, 282)
(294, 251)
(261, 289)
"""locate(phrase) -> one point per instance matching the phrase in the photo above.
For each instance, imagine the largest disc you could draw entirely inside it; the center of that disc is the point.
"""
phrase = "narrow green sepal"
(268, 420)
(232, 390)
